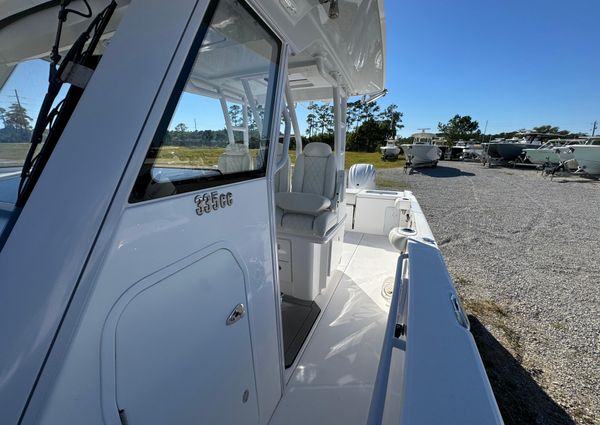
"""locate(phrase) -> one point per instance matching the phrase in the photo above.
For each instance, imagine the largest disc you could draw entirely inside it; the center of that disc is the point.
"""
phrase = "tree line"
(367, 125)
(466, 128)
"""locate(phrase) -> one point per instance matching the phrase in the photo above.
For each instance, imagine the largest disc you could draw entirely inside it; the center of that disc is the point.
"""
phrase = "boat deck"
(332, 379)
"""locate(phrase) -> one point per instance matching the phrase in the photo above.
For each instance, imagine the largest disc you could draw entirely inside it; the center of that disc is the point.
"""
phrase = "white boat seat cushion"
(315, 171)
(303, 203)
(311, 206)
(306, 224)
(235, 159)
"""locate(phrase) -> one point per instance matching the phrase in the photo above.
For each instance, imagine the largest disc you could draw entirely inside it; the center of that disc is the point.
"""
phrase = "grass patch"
(202, 157)
(372, 158)
(13, 154)
(385, 183)
(493, 314)
(177, 156)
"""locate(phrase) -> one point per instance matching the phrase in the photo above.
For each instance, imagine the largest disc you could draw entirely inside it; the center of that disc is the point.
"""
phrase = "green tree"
(324, 115)
(16, 116)
(547, 129)
(311, 124)
(368, 111)
(353, 114)
(392, 119)
(181, 128)
(459, 128)
(235, 114)
(368, 136)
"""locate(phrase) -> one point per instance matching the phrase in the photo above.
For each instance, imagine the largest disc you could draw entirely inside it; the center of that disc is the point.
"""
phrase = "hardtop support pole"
(253, 106)
(339, 132)
(227, 119)
(246, 126)
(292, 110)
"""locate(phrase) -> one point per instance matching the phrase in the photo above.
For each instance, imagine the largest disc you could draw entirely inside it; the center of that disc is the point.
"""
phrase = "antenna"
(594, 127)
(18, 100)
(422, 130)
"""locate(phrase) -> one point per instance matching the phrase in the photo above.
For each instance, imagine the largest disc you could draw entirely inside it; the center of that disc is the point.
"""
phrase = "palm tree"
(394, 118)
(311, 123)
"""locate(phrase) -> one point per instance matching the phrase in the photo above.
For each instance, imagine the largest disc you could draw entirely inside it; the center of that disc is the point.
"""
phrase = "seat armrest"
(303, 203)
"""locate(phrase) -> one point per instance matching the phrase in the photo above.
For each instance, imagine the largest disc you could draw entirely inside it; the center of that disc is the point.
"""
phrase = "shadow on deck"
(520, 399)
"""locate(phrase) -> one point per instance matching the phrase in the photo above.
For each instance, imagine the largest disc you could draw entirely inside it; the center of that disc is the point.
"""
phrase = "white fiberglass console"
(375, 211)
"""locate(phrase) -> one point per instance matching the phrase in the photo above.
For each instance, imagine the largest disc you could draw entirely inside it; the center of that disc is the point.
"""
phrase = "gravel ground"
(523, 251)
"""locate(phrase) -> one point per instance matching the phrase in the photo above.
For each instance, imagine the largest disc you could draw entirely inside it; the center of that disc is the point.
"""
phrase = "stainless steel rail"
(389, 343)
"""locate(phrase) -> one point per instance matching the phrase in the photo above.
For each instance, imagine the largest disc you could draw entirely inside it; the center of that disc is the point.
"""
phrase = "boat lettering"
(206, 202)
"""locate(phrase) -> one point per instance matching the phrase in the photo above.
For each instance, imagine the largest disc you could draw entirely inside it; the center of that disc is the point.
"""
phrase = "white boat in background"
(422, 152)
(390, 150)
(553, 152)
(466, 150)
(588, 156)
(512, 150)
(155, 275)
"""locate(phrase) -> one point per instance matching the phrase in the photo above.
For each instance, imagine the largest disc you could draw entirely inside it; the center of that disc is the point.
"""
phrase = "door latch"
(238, 312)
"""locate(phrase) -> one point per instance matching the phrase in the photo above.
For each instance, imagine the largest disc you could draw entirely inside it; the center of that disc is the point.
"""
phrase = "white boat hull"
(422, 154)
(390, 151)
(588, 158)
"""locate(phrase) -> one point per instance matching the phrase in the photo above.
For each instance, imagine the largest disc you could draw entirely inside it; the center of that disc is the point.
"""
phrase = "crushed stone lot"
(523, 251)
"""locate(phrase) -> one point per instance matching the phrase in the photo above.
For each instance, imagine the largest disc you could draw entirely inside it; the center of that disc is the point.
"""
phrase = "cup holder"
(399, 237)
(408, 231)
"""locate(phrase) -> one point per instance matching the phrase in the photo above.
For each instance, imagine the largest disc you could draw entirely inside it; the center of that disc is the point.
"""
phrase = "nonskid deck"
(333, 379)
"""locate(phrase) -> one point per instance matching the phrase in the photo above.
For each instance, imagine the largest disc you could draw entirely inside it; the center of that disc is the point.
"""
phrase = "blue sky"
(516, 64)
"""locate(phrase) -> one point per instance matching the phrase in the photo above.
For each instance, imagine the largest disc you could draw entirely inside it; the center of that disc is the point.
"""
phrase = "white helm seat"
(235, 159)
(310, 208)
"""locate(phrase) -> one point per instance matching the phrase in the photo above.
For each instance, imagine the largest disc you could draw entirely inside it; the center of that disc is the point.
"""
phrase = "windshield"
(20, 99)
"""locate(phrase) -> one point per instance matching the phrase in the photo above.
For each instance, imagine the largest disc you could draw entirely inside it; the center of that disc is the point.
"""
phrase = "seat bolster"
(303, 203)
(279, 216)
(330, 178)
(324, 222)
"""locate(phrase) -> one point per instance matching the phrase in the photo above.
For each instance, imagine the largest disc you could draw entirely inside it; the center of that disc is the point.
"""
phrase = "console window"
(217, 128)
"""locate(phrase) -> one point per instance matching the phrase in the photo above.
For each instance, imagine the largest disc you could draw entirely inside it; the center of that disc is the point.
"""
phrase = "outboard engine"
(361, 176)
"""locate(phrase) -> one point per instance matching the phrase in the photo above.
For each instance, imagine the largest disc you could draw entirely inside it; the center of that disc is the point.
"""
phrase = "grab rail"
(389, 342)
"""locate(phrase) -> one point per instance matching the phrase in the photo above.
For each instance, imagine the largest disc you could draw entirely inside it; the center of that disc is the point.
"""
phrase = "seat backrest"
(235, 159)
(314, 171)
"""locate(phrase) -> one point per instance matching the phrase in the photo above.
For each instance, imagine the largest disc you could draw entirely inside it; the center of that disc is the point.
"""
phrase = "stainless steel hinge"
(77, 75)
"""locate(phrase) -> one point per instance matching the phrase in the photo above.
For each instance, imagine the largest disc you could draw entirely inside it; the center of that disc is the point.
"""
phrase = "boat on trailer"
(422, 152)
(505, 151)
(153, 274)
(588, 156)
(390, 150)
